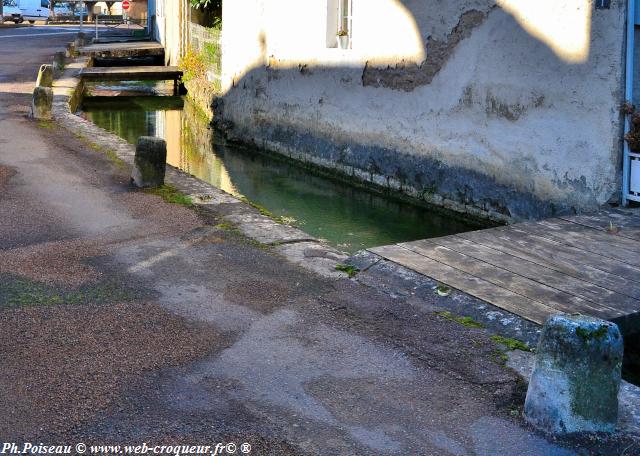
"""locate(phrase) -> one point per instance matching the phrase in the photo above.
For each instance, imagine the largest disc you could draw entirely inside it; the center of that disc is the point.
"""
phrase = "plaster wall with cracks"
(460, 104)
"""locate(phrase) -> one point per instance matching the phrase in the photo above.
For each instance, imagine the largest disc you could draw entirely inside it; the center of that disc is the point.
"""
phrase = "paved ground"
(124, 319)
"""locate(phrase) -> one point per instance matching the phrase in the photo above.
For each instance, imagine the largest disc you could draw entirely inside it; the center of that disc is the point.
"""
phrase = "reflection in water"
(349, 218)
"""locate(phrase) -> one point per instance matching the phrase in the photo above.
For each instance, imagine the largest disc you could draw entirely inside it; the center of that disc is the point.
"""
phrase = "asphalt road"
(36, 31)
(23, 50)
(124, 319)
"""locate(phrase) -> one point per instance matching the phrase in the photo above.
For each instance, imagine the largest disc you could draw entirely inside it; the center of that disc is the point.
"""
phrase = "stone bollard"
(71, 50)
(81, 40)
(42, 103)
(150, 162)
(45, 76)
(58, 61)
(575, 381)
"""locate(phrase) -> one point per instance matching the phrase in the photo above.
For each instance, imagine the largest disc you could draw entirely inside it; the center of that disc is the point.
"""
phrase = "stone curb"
(68, 89)
(420, 292)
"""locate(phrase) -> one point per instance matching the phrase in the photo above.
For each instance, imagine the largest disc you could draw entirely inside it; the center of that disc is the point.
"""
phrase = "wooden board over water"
(581, 264)
(128, 49)
(136, 73)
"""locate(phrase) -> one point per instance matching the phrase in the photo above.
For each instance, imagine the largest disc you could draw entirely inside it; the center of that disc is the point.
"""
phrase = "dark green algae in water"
(348, 217)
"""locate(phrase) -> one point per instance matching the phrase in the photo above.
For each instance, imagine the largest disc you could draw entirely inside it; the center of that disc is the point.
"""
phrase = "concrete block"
(81, 40)
(150, 162)
(576, 378)
(58, 61)
(42, 103)
(71, 50)
(45, 76)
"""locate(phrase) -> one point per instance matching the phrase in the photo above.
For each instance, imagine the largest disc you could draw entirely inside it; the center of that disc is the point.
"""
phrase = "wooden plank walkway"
(135, 73)
(128, 49)
(588, 264)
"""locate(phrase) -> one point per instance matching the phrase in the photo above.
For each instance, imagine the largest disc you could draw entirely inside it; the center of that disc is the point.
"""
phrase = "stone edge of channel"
(292, 243)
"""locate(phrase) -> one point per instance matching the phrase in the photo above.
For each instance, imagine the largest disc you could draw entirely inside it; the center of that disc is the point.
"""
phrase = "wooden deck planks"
(601, 297)
(554, 252)
(126, 49)
(536, 291)
(584, 238)
(625, 224)
(137, 73)
(505, 299)
(565, 260)
(535, 269)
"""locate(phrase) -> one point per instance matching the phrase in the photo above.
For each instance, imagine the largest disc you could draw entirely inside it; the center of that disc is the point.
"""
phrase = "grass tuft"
(464, 321)
(350, 270)
(227, 226)
(111, 155)
(113, 158)
(499, 357)
(46, 124)
(510, 343)
(282, 220)
(171, 195)
(19, 292)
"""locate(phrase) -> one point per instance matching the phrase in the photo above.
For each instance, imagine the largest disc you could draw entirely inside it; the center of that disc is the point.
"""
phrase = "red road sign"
(126, 4)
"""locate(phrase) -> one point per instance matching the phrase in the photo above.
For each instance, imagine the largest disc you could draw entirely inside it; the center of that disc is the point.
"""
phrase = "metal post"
(81, 12)
(96, 28)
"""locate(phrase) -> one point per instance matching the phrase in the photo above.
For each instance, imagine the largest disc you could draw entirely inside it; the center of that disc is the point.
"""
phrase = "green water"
(347, 217)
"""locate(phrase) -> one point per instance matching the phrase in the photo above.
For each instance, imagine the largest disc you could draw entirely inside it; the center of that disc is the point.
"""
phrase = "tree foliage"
(206, 4)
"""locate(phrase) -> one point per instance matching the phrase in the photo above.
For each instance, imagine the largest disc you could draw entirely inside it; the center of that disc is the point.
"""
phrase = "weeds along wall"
(206, 42)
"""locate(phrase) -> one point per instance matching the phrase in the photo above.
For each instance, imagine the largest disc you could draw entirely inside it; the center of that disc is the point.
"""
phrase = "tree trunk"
(90, 14)
(1, 12)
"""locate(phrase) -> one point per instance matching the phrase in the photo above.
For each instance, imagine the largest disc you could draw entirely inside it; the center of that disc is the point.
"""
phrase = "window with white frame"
(340, 24)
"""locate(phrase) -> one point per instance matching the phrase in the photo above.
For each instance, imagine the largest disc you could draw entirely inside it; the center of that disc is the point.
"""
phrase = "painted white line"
(37, 34)
(146, 264)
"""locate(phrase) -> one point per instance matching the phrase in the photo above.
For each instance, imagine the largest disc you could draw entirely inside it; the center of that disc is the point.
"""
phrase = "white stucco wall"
(170, 28)
(284, 33)
(514, 112)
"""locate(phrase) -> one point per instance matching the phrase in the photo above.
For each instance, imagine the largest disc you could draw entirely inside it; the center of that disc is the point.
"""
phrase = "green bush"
(205, 4)
(212, 53)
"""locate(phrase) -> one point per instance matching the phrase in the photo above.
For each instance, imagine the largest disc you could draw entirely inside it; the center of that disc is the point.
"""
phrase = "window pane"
(345, 15)
(345, 7)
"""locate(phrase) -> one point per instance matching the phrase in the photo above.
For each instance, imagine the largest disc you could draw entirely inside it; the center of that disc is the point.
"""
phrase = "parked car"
(11, 12)
(85, 12)
(63, 9)
(71, 9)
(34, 10)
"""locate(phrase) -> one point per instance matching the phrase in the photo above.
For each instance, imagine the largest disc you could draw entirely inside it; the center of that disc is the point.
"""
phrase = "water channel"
(350, 218)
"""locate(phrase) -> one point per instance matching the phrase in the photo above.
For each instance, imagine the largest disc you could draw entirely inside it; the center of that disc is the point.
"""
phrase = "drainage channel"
(348, 217)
